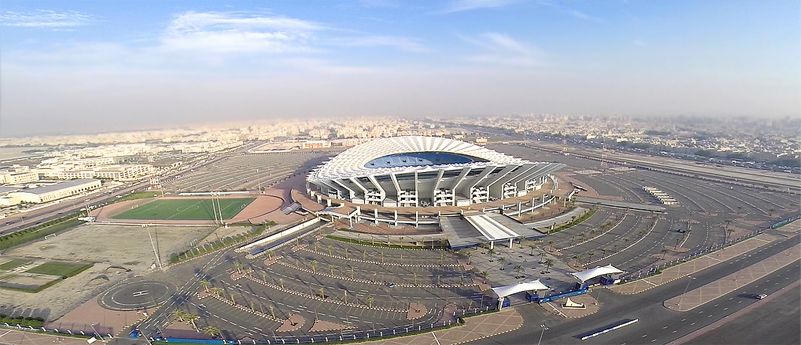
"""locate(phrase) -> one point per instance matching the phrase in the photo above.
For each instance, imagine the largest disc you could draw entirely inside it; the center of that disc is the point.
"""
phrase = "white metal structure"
(503, 291)
(417, 171)
(598, 271)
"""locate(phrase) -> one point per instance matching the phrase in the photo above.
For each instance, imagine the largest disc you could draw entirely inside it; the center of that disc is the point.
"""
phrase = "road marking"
(646, 280)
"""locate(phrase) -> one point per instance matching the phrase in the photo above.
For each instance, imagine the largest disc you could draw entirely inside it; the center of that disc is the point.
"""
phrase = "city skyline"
(132, 65)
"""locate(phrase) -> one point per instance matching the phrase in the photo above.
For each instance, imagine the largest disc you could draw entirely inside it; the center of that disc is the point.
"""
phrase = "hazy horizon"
(82, 67)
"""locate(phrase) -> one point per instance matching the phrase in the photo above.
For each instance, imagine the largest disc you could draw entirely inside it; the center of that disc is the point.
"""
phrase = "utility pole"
(153, 245)
(214, 208)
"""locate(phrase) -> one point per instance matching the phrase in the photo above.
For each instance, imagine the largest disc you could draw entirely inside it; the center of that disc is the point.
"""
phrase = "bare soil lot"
(118, 251)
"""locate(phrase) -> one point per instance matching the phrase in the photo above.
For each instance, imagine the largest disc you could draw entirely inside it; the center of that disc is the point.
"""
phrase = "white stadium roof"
(353, 162)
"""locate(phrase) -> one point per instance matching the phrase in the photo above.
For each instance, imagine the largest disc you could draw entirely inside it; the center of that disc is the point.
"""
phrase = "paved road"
(657, 323)
(21, 221)
(776, 321)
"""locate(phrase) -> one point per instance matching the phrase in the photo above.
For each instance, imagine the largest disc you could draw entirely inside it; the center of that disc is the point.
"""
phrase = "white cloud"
(46, 19)
(234, 32)
(469, 5)
(397, 42)
(504, 50)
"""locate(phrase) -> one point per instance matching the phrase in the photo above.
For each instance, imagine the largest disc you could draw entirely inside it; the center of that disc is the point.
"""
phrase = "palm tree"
(211, 331)
(192, 318)
(180, 315)
(548, 264)
(216, 291)
(238, 266)
(205, 284)
(370, 301)
(313, 265)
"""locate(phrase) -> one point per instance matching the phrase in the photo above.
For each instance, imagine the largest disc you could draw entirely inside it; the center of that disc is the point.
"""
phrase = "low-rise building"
(47, 193)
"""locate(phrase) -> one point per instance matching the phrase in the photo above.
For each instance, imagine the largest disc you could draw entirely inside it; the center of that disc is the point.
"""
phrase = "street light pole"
(541, 334)
(685, 289)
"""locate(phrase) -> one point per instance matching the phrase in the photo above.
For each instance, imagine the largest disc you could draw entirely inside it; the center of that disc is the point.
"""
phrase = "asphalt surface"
(772, 322)
(658, 324)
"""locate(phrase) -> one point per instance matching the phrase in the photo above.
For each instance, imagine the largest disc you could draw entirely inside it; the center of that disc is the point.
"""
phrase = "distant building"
(125, 172)
(315, 144)
(47, 193)
(12, 177)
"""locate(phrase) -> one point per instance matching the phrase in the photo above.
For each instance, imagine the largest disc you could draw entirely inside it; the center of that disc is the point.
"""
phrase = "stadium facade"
(418, 171)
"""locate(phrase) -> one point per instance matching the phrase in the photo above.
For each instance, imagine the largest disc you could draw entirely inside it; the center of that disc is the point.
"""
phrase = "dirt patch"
(328, 326)
(90, 312)
(293, 323)
(113, 249)
(416, 311)
(263, 205)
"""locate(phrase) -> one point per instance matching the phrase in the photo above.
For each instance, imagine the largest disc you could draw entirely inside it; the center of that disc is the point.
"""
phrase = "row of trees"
(34, 322)
(183, 316)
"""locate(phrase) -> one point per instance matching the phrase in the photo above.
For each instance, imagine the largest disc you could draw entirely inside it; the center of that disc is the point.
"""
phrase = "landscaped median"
(704, 294)
(694, 265)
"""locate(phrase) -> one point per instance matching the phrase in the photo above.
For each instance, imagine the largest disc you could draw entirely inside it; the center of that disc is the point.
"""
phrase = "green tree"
(548, 264)
(211, 331)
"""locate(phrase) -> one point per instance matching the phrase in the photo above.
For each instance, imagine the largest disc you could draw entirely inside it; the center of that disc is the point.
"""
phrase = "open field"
(13, 263)
(188, 209)
(117, 252)
(61, 269)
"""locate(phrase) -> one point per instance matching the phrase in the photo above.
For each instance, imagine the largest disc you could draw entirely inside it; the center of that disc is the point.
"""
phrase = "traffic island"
(709, 292)
(692, 266)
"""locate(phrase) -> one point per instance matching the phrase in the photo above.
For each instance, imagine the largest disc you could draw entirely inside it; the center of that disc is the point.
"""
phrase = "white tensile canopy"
(503, 291)
(598, 271)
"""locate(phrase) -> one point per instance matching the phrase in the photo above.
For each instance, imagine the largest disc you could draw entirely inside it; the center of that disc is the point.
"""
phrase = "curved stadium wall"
(416, 171)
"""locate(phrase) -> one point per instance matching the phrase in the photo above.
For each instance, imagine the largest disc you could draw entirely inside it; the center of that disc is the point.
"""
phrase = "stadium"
(419, 172)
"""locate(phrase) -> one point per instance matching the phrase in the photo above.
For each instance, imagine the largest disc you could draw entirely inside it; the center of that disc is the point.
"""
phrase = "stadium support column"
(510, 242)
(416, 219)
(375, 216)
(396, 217)
(358, 214)
(532, 205)
(492, 244)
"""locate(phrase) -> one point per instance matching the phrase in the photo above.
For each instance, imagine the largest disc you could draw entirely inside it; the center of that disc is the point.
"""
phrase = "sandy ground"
(91, 313)
(117, 251)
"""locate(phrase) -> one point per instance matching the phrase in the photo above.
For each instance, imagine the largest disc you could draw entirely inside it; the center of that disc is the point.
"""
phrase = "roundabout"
(136, 295)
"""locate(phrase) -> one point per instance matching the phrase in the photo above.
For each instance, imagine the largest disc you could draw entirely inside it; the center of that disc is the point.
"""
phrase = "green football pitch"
(188, 209)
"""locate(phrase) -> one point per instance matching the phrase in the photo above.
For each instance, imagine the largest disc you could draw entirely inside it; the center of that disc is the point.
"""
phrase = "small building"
(47, 193)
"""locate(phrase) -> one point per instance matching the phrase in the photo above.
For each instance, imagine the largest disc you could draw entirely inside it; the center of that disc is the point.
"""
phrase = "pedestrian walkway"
(692, 266)
(704, 294)
(475, 328)
(15, 337)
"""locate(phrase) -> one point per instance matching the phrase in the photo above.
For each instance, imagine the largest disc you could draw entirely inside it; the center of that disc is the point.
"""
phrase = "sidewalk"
(475, 328)
(704, 294)
(692, 266)
(15, 337)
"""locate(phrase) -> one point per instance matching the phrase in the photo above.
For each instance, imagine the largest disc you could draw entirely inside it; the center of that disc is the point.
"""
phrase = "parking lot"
(245, 171)
(708, 213)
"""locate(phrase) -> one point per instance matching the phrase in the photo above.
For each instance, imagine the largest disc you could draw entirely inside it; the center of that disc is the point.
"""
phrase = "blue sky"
(130, 64)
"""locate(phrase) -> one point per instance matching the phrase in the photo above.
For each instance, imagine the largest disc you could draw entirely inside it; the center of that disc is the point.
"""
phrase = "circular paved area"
(136, 295)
